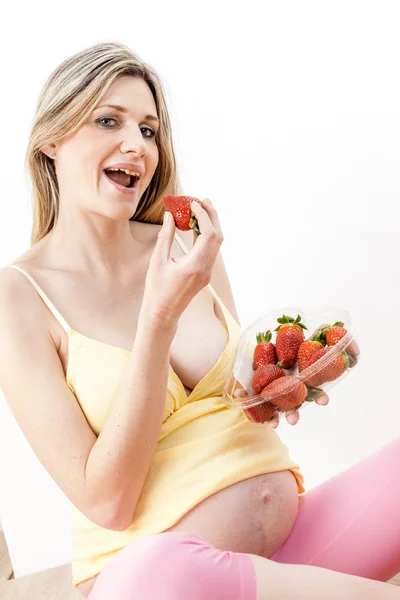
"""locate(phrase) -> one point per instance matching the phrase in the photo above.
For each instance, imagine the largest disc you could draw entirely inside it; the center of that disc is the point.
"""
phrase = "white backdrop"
(286, 114)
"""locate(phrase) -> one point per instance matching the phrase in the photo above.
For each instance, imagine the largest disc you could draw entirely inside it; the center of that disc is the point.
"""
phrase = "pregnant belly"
(253, 516)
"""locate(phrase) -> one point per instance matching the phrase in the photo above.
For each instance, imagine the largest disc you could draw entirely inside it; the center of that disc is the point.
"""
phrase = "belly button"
(266, 497)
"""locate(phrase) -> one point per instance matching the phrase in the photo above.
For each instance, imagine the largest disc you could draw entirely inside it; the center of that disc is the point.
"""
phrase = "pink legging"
(350, 523)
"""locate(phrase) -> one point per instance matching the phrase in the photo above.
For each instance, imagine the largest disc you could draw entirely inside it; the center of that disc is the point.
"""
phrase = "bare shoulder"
(11, 289)
(20, 305)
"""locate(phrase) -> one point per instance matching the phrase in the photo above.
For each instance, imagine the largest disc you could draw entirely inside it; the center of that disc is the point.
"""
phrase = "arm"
(103, 477)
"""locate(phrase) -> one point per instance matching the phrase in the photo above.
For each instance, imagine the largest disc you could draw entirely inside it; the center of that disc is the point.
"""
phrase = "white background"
(286, 114)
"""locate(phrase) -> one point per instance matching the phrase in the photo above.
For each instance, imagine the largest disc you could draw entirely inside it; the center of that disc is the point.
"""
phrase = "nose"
(134, 142)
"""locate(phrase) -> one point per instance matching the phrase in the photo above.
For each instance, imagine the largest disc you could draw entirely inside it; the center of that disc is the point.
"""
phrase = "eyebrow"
(124, 110)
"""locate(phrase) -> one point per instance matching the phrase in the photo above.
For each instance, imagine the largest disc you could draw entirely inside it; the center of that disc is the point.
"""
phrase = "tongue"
(119, 177)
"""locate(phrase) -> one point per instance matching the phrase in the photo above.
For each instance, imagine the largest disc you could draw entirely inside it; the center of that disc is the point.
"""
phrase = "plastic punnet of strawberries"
(294, 370)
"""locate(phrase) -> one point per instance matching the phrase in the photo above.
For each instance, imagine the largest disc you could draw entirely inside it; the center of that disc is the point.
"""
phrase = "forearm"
(120, 459)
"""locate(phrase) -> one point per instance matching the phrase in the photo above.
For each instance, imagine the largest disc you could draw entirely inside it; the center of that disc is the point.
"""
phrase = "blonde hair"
(68, 96)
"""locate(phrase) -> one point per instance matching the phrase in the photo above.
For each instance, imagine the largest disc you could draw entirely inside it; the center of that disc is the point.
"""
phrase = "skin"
(292, 416)
(93, 234)
(93, 228)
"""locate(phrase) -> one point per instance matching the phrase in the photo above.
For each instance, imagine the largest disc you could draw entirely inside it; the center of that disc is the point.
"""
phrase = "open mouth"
(122, 178)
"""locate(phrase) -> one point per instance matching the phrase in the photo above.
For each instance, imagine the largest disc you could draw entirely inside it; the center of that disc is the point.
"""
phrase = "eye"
(105, 119)
(105, 124)
(152, 133)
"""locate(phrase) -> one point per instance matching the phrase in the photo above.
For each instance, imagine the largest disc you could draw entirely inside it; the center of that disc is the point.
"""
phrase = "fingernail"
(167, 217)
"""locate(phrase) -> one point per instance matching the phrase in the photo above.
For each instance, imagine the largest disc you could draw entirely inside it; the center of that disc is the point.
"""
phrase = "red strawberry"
(286, 392)
(333, 370)
(290, 336)
(335, 333)
(261, 413)
(264, 352)
(264, 375)
(179, 206)
(307, 350)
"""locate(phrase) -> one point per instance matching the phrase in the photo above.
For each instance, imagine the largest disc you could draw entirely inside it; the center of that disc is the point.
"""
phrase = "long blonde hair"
(68, 96)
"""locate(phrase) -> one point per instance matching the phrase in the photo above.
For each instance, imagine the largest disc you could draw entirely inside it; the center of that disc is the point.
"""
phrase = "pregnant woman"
(117, 337)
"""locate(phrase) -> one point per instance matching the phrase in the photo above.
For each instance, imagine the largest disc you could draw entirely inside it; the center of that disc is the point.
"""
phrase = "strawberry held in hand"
(179, 206)
(290, 337)
(264, 352)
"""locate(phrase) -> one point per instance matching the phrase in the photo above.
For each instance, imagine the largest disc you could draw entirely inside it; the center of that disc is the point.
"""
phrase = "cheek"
(154, 158)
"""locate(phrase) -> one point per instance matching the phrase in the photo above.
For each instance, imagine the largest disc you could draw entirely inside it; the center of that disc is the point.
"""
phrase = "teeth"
(134, 173)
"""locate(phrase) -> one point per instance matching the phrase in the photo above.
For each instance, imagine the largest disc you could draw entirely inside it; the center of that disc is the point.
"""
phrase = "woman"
(118, 389)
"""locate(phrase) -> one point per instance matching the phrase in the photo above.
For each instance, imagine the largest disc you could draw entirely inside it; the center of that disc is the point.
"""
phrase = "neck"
(96, 244)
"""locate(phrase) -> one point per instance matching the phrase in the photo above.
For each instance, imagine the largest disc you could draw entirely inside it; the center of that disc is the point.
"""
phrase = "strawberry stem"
(318, 337)
(312, 393)
(284, 320)
(264, 337)
(351, 361)
(194, 224)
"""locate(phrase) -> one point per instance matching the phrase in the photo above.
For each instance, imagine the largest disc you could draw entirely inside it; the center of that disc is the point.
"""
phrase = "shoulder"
(14, 286)
(17, 309)
(20, 305)
(11, 288)
(15, 296)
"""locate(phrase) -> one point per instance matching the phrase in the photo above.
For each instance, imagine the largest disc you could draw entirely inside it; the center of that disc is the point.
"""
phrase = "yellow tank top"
(203, 446)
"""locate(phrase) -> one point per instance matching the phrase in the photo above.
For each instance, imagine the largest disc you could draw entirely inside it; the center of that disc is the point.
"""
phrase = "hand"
(292, 416)
(172, 283)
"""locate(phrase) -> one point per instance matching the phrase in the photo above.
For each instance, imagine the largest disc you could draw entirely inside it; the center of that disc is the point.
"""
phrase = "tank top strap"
(45, 299)
(186, 250)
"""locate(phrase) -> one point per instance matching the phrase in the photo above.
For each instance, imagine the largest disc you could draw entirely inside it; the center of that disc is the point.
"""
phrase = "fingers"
(209, 208)
(207, 244)
(165, 238)
(323, 399)
(274, 422)
(240, 393)
(292, 417)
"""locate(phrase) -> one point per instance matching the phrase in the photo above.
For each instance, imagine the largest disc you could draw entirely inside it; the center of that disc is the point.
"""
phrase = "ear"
(48, 149)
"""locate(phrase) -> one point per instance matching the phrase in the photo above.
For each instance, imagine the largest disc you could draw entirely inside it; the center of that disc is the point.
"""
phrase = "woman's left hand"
(292, 416)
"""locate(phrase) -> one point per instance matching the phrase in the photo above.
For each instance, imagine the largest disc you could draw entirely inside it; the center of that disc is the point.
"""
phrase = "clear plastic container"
(297, 388)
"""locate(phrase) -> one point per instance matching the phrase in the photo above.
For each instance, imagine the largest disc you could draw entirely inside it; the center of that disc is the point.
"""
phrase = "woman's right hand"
(172, 283)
